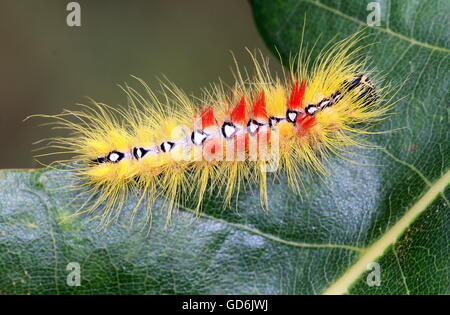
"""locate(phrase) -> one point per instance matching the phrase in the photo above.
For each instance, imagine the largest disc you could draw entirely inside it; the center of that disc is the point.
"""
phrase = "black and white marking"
(167, 146)
(139, 153)
(311, 109)
(273, 121)
(100, 160)
(253, 126)
(324, 103)
(229, 130)
(115, 156)
(291, 115)
(198, 137)
(335, 98)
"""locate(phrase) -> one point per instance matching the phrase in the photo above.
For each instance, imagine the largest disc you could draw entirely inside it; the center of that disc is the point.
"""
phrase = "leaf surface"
(391, 207)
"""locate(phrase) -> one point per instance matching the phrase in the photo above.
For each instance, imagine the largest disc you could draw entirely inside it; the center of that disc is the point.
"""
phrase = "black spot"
(366, 90)
(99, 160)
(223, 129)
(139, 153)
(368, 95)
(324, 103)
(167, 146)
(354, 83)
(273, 121)
(311, 109)
(290, 115)
(111, 156)
(334, 98)
(202, 133)
(254, 123)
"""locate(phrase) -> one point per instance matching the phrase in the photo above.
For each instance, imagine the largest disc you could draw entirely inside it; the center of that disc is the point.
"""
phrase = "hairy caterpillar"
(178, 148)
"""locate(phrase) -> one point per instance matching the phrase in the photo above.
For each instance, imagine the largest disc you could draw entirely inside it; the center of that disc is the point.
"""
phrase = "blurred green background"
(47, 66)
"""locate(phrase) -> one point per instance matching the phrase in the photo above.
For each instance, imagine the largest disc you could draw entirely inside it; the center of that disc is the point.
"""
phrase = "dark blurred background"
(47, 66)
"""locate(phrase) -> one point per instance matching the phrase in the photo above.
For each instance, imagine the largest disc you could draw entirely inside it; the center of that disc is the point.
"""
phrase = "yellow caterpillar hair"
(178, 149)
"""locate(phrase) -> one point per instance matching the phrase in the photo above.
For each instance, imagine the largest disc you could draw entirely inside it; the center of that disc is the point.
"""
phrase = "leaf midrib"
(374, 251)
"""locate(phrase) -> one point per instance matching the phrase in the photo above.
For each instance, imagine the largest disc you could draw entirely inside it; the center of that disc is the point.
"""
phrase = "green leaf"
(391, 207)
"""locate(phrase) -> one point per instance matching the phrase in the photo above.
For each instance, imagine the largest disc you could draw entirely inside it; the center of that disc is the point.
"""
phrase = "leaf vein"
(381, 29)
(272, 237)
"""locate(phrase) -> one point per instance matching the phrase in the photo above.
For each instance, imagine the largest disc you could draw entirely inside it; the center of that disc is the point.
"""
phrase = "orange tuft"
(259, 107)
(207, 117)
(296, 99)
(238, 115)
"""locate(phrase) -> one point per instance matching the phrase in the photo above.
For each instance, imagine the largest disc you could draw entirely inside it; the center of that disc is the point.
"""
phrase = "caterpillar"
(177, 148)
